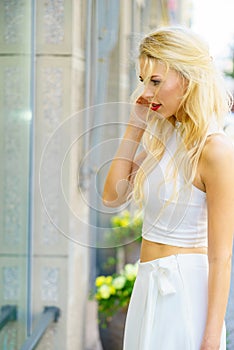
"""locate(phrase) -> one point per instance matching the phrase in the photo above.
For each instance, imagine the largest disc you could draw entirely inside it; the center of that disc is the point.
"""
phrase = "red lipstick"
(155, 106)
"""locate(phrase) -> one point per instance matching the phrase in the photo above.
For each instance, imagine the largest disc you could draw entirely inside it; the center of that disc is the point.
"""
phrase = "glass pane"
(15, 67)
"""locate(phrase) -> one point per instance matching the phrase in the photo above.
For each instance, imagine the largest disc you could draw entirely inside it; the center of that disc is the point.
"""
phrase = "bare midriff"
(152, 250)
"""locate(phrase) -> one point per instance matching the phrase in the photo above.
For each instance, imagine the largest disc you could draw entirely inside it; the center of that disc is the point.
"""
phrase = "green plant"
(113, 292)
(126, 227)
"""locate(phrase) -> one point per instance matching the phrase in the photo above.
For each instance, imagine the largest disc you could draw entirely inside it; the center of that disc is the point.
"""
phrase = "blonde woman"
(183, 180)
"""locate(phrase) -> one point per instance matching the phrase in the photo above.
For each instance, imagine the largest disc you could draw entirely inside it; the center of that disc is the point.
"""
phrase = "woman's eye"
(156, 82)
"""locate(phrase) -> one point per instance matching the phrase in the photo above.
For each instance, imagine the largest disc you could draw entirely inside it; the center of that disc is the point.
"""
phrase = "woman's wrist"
(134, 131)
(136, 125)
(210, 342)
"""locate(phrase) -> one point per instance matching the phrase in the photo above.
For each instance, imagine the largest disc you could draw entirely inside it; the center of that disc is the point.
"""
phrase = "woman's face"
(164, 90)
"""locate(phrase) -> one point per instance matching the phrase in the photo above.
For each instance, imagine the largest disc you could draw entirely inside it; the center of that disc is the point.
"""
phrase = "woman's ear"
(185, 83)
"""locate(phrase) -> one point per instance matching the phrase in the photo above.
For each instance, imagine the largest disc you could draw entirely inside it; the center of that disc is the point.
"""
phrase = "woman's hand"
(140, 113)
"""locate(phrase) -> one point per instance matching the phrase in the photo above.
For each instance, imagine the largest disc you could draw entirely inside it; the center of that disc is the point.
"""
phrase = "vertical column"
(59, 265)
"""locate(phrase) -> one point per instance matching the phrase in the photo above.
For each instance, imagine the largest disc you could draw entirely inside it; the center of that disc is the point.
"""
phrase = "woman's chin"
(156, 115)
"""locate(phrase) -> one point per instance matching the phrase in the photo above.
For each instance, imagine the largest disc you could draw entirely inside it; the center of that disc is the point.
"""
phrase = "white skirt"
(168, 306)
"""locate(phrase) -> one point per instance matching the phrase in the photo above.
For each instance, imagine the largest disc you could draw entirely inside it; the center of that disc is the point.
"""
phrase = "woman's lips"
(155, 106)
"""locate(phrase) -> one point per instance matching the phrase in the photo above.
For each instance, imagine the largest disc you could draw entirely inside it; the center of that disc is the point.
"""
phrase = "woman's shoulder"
(218, 150)
(217, 166)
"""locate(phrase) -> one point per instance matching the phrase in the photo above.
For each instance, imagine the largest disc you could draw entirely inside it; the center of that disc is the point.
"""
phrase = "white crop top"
(183, 220)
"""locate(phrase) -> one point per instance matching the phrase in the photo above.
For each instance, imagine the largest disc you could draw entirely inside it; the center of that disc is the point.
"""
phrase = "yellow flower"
(109, 280)
(100, 280)
(116, 221)
(112, 290)
(124, 222)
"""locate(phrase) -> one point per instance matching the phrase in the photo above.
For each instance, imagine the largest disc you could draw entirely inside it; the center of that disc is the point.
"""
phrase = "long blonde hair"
(205, 98)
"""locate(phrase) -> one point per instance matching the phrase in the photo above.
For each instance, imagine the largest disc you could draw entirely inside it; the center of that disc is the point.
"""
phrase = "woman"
(184, 182)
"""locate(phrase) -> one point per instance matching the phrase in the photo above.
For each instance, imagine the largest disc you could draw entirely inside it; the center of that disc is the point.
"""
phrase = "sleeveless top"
(178, 220)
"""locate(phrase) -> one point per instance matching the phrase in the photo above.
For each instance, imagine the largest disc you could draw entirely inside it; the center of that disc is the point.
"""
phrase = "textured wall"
(59, 266)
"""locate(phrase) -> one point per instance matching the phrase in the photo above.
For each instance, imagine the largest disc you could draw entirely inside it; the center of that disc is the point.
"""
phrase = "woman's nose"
(148, 94)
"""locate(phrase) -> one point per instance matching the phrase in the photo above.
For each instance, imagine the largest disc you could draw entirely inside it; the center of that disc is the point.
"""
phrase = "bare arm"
(218, 177)
(121, 173)
(138, 160)
(118, 181)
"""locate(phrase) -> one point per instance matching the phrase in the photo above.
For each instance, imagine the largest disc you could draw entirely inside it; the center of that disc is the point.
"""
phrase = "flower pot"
(111, 337)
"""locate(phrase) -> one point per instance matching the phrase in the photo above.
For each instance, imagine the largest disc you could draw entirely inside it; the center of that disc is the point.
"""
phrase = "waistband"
(163, 267)
(191, 259)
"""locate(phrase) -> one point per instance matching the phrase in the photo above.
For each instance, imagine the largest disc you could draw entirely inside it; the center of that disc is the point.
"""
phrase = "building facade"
(58, 60)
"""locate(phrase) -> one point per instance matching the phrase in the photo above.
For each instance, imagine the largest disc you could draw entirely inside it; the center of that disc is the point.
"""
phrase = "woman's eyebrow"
(153, 76)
